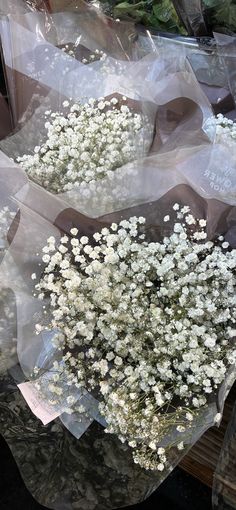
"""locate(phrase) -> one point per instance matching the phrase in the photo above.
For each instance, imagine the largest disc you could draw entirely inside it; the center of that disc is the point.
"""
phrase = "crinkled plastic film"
(182, 165)
(157, 185)
(206, 62)
(210, 72)
(12, 6)
(224, 487)
(226, 46)
(192, 15)
(164, 89)
(34, 63)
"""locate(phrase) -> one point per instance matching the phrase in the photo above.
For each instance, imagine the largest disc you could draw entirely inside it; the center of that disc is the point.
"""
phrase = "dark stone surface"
(179, 492)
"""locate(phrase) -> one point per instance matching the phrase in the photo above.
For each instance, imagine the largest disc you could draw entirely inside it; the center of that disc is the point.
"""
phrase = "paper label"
(44, 411)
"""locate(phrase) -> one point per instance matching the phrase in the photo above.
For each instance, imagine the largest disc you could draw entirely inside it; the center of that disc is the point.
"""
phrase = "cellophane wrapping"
(70, 462)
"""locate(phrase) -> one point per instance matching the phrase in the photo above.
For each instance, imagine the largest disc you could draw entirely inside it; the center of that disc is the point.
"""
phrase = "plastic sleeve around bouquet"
(9, 213)
(210, 73)
(13, 6)
(194, 176)
(226, 46)
(224, 486)
(22, 6)
(40, 50)
(162, 89)
(205, 61)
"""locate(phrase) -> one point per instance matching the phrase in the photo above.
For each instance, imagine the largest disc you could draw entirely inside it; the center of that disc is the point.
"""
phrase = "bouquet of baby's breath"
(148, 327)
(86, 144)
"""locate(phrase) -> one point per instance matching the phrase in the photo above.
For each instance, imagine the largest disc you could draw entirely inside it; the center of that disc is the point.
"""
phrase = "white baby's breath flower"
(148, 326)
(152, 445)
(176, 207)
(74, 231)
(86, 144)
(217, 418)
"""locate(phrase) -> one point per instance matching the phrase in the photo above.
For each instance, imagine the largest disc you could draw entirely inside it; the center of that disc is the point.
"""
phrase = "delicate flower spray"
(86, 144)
(149, 327)
(222, 130)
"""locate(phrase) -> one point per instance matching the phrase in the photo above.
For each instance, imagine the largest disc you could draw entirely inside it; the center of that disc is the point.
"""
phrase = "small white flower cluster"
(93, 57)
(70, 49)
(150, 325)
(222, 130)
(108, 65)
(87, 144)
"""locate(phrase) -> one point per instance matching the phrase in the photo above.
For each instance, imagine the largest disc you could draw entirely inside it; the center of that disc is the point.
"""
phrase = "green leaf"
(226, 14)
(126, 7)
(134, 11)
(164, 11)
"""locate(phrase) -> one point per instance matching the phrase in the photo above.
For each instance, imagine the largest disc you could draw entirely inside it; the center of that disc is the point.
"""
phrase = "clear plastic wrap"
(210, 72)
(224, 487)
(205, 60)
(35, 61)
(226, 46)
(201, 177)
(22, 6)
(162, 89)
(12, 6)
(181, 166)
(192, 16)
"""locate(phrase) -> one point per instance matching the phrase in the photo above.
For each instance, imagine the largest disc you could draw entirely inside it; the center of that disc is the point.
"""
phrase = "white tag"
(44, 411)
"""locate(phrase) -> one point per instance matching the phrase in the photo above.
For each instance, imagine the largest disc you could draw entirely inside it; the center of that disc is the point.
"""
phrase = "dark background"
(179, 492)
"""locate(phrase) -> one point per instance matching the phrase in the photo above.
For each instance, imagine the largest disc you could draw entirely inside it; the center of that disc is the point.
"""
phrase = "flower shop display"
(118, 232)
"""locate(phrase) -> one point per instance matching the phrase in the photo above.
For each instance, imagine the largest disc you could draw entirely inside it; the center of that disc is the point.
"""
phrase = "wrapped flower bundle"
(118, 252)
(86, 145)
(147, 325)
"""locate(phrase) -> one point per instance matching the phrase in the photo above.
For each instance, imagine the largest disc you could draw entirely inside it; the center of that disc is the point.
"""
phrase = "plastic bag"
(154, 82)
(33, 61)
(22, 6)
(226, 46)
(224, 487)
(192, 15)
(189, 176)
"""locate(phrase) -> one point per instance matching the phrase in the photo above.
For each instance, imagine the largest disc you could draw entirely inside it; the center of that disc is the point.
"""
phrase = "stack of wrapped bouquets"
(118, 251)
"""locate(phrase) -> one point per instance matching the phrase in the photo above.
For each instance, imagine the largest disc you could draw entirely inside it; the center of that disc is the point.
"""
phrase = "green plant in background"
(221, 14)
(161, 14)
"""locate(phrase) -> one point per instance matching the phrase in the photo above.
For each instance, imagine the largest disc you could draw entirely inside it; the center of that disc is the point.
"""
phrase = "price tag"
(44, 411)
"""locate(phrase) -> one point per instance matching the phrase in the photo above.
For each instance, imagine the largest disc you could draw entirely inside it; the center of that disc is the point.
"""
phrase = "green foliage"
(161, 14)
(225, 14)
